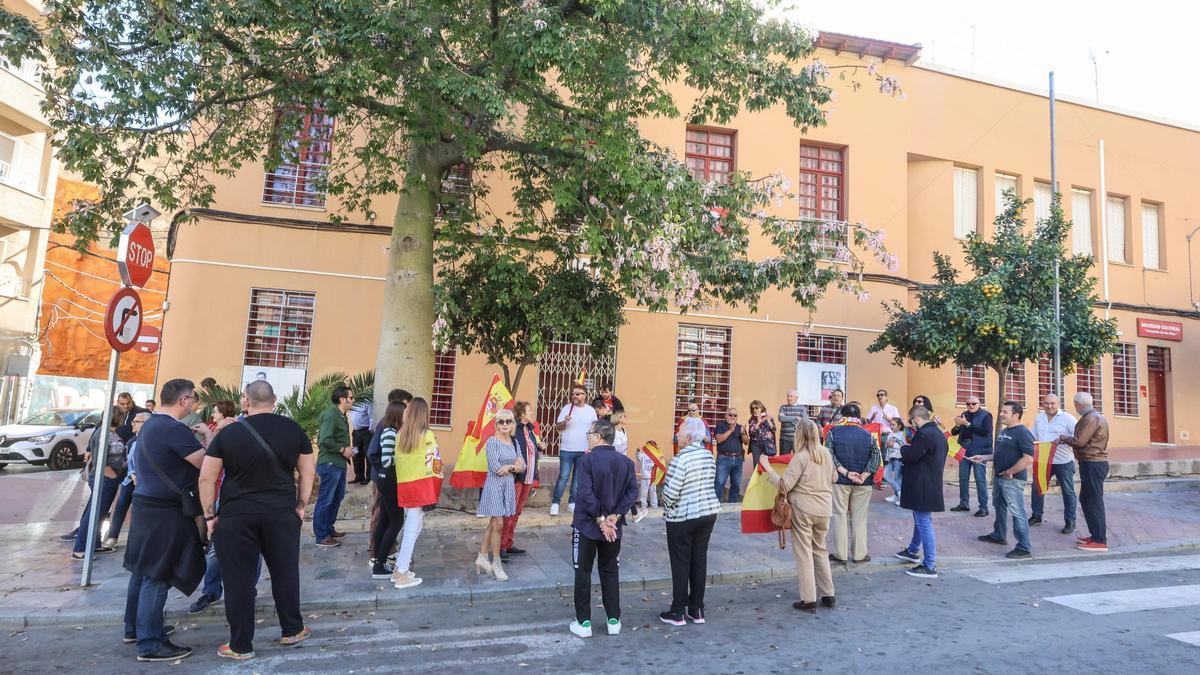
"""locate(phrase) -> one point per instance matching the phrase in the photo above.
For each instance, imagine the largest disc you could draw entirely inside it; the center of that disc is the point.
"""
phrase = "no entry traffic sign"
(148, 340)
(135, 254)
(123, 319)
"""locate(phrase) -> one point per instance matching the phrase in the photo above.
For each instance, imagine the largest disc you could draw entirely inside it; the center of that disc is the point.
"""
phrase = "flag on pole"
(582, 377)
(957, 452)
(1043, 460)
(759, 499)
(650, 449)
(470, 471)
(419, 474)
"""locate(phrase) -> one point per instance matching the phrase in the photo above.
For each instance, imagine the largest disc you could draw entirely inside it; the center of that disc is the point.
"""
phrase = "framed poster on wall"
(815, 381)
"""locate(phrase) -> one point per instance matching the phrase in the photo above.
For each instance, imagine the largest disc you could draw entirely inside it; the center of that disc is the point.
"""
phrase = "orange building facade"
(262, 282)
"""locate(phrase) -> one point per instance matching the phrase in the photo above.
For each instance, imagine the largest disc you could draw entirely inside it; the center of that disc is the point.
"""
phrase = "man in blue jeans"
(1052, 423)
(1010, 464)
(974, 429)
(573, 422)
(923, 461)
(730, 455)
(334, 449)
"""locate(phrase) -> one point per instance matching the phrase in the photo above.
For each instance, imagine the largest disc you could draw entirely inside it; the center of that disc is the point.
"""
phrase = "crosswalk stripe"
(1192, 638)
(1008, 574)
(1133, 600)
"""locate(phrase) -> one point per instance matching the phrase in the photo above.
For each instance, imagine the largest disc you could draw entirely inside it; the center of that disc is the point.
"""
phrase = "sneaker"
(382, 570)
(517, 551)
(338, 535)
(110, 543)
(1068, 528)
(69, 536)
(982, 513)
(371, 562)
(406, 580)
(303, 635)
(1082, 540)
(571, 507)
(640, 516)
(961, 508)
(1094, 546)
(167, 652)
(890, 500)
(1018, 553)
(329, 542)
(921, 572)
(554, 509)
(991, 540)
(614, 626)
(583, 630)
(202, 603)
(1035, 521)
(905, 554)
(78, 555)
(671, 618)
(131, 638)
(227, 652)
(695, 617)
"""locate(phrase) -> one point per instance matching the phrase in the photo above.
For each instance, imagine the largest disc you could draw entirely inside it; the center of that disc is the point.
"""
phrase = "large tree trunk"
(1002, 370)
(406, 355)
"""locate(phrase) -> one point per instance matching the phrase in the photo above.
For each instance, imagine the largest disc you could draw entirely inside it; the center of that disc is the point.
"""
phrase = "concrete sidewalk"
(39, 584)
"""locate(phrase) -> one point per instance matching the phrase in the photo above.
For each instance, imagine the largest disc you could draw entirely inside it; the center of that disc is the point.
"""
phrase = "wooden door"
(1158, 363)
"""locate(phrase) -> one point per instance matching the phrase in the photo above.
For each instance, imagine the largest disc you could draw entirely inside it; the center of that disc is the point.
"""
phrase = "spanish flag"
(650, 449)
(760, 498)
(470, 471)
(419, 474)
(957, 452)
(582, 377)
(1043, 460)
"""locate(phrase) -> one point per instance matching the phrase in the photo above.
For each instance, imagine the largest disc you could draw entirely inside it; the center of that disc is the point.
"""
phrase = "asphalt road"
(998, 621)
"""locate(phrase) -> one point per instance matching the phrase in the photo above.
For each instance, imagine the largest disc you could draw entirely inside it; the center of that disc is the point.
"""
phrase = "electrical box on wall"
(1184, 435)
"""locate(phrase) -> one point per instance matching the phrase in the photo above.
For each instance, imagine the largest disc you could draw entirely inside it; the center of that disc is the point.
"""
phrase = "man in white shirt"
(882, 413)
(1051, 423)
(573, 424)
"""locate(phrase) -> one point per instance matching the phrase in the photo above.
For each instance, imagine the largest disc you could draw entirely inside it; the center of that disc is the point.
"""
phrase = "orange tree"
(1004, 313)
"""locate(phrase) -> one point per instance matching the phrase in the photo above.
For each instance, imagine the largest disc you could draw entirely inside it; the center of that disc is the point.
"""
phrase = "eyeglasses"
(881, 394)
(971, 403)
(731, 414)
(505, 422)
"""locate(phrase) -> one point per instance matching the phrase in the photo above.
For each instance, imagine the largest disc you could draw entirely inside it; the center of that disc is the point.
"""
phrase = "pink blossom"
(817, 70)
(863, 296)
(593, 201)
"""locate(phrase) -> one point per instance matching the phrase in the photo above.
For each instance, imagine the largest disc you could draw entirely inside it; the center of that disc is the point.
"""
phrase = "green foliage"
(212, 394)
(1005, 311)
(511, 308)
(305, 406)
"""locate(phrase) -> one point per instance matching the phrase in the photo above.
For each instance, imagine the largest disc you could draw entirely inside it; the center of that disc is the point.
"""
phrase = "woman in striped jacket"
(690, 509)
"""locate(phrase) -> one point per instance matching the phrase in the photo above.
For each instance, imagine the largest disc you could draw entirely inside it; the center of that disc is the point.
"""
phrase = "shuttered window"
(1081, 222)
(966, 201)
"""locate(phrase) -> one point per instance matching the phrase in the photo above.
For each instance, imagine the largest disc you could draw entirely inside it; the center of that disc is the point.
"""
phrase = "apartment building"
(28, 172)
(262, 282)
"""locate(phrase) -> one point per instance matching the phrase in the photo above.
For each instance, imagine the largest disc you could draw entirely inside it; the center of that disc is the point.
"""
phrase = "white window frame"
(1004, 181)
(1081, 232)
(1043, 197)
(1152, 236)
(966, 201)
(1115, 216)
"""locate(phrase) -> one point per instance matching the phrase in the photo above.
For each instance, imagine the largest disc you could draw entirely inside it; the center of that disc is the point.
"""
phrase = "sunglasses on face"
(505, 422)
(972, 403)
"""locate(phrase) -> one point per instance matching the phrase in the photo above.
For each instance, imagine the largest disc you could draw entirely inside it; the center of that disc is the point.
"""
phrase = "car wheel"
(62, 456)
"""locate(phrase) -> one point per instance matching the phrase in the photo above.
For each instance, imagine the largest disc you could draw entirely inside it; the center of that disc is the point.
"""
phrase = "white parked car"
(57, 437)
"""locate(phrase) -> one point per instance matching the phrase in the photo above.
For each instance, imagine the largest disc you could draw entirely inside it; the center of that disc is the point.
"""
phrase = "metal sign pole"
(99, 459)
(1058, 381)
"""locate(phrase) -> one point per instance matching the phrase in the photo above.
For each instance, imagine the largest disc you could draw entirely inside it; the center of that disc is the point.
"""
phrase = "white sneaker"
(614, 626)
(554, 509)
(640, 515)
(405, 580)
(571, 507)
(890, 500)
(110, 542)
(583, 630)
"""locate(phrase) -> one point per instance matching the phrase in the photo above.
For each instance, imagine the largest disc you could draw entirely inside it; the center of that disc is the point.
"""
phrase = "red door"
(1159, 365)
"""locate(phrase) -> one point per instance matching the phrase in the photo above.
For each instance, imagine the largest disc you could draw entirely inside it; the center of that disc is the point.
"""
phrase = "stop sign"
(135, 254)
(148, 340)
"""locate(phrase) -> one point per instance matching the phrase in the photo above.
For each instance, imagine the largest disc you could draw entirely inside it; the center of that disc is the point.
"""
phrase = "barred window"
(1125, 382)
(820, 349)
(1089, 380)
(1045, 372)
(279, 330)
(455, 188)
(970, 382)
(1014, 382)
(710, 154)
(303, 159)
(702, 370)
(441, 404)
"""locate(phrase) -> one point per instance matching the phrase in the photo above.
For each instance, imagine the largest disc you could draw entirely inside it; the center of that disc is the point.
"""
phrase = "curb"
(386, 600)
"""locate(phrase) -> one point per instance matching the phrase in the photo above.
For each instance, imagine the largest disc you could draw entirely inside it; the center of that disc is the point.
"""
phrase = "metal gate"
(559, 368)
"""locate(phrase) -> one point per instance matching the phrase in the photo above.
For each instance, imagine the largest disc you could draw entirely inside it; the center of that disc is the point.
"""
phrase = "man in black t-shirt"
(1011, 459)
(260, 514)
(730, 437)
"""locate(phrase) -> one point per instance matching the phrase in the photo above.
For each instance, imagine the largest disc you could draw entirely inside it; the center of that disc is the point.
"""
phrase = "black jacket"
(924, 460)
(125, 423)
(976, 434)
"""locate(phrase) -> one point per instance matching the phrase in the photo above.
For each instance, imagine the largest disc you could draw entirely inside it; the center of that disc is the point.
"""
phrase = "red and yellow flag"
(759, 499)
(1043, 460)
(650, 449)
(470, 471)
(419, 474)
(582, 377)
(957, 452)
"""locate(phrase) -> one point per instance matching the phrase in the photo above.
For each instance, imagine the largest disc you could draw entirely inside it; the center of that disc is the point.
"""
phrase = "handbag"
(189, 499)
(781, 517)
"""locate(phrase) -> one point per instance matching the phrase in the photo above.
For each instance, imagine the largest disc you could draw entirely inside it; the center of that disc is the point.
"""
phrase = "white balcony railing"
(21, 179)
(12, 286)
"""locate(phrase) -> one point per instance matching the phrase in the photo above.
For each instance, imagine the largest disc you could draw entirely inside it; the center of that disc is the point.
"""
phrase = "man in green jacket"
(333, 449)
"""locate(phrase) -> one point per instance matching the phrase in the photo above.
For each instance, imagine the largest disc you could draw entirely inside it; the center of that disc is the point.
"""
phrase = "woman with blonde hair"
(499, 497)
(418, 481)
(808, 484)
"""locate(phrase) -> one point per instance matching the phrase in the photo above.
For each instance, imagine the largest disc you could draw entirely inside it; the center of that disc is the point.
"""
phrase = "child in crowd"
(621, 444)
(647, 493)
(891, 473)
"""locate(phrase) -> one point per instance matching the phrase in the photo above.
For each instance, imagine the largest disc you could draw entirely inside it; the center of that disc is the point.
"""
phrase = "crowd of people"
(215, 499)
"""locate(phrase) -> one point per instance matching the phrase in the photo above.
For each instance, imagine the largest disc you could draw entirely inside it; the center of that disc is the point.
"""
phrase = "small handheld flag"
(1043, 461)
(957, 452)
(650, 449)
(582, 377)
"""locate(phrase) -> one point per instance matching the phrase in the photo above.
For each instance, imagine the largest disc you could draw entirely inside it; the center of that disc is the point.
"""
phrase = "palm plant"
(212, 394)
(306, 407)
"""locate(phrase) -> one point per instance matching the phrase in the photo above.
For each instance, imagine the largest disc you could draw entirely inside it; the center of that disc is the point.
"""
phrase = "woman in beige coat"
(808, 484)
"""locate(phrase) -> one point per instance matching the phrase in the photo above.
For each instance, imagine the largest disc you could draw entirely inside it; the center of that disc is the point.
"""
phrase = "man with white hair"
(1090, 442)
(1051, 423)
(790, 415)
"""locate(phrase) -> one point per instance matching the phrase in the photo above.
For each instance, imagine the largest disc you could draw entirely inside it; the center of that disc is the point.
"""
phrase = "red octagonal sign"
(135, 254)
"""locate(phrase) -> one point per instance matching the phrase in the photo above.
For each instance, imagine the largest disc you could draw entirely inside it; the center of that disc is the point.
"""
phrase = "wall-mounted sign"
(1160, 330)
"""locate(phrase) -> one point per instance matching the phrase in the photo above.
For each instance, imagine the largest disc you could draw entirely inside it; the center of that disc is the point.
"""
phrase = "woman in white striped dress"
(690, 508)
(499, 497)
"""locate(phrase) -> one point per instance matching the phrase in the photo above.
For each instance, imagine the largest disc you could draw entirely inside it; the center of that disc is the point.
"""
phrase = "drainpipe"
(1191, 298)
